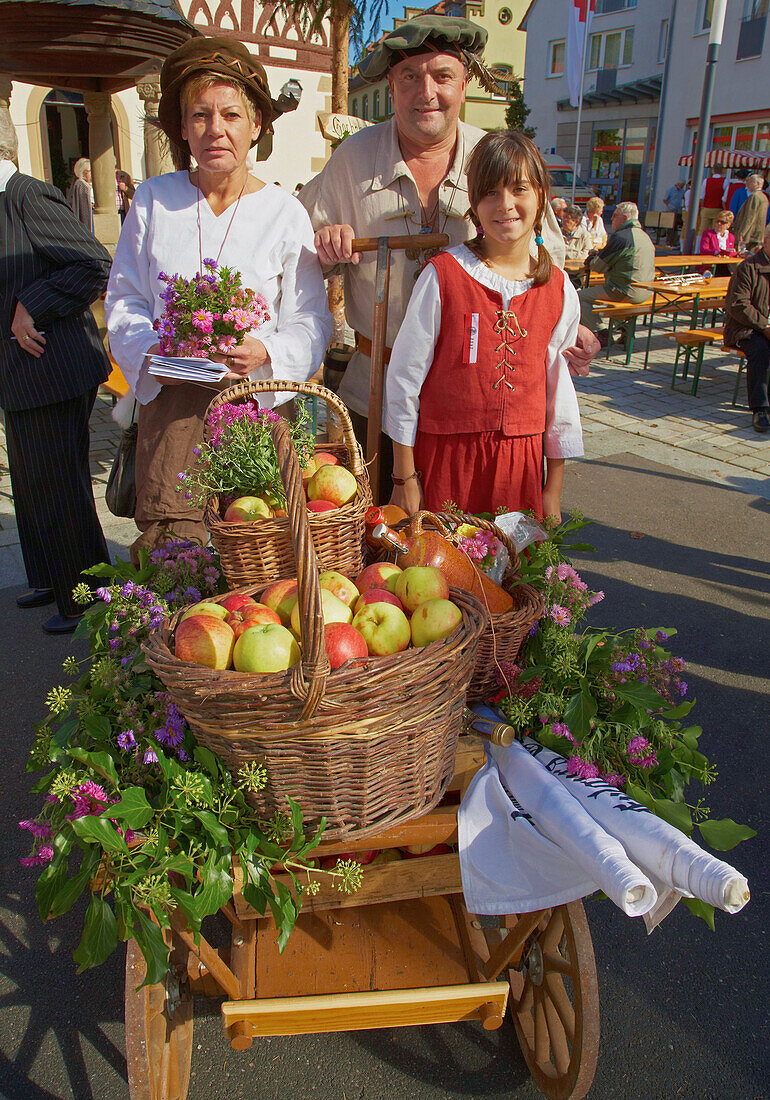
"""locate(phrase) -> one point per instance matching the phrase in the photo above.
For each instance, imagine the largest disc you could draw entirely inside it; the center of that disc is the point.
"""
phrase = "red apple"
(204, 640)
(319, 459)
(434, 619)
(321, 506)
(234, 601)
(419, 583)
(332, 609)
(340, 585)
(343, 643)
(413, 851)
(377, 595)
(252, 616)
(328, 863)
(381, 575)
(206, 607)
(266, 649)
(385, 628)
(247, 510)
(281, 597)
(333, 483)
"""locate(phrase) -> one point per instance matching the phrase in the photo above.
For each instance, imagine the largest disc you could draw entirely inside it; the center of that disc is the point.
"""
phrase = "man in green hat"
(406, 176)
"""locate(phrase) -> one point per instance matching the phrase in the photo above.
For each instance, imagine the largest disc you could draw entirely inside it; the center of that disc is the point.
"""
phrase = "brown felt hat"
(225, 57)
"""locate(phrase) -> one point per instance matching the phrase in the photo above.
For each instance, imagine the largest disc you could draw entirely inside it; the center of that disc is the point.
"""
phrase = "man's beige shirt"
(367, 184)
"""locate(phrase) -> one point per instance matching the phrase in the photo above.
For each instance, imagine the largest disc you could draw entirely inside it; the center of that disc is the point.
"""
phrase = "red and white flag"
(580, 15)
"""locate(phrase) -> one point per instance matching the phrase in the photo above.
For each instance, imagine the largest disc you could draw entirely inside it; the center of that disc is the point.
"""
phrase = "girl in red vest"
(478, 392)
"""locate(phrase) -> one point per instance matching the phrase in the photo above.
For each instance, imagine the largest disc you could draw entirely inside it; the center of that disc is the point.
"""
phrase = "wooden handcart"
(402, 951)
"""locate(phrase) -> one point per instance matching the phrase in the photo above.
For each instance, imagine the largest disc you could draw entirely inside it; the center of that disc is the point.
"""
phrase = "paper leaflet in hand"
(186, 369)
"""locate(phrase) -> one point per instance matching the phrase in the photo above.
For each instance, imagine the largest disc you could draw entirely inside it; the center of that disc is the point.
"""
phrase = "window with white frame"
(365, 107)
(605, 7)
(556, 51)
(355, 108)
(755, 9)
(611, 50)
(703, 16)
(376, 104)
(662, 41)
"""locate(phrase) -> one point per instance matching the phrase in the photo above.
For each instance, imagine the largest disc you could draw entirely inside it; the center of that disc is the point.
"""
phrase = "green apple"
(206, 607)
(266, 649)
(332, 609)
(434, 619)
(385, 628)
(419, 583)
(340, 585)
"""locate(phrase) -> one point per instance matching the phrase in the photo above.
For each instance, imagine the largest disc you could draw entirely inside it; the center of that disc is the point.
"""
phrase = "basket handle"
(314, 664)
(242, 390)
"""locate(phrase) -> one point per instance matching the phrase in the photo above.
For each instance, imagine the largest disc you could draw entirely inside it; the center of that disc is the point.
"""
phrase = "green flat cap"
(424, 34)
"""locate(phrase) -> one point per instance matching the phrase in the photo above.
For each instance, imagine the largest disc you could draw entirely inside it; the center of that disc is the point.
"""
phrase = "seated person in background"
(719, 241)
(747, 326)
(627, 258)
(577, 239)
(594, 222)
(558, 206)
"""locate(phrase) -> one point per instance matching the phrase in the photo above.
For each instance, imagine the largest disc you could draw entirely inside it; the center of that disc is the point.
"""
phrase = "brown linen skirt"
(169, 427)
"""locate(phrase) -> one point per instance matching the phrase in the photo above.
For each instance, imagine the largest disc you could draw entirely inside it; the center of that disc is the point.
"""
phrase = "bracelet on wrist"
(403, 480)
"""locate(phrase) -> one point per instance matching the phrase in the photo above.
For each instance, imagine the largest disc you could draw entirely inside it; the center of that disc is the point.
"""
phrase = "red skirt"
(481, 471)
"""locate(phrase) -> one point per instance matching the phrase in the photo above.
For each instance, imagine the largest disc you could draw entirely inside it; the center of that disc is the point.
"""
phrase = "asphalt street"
(684, 1011)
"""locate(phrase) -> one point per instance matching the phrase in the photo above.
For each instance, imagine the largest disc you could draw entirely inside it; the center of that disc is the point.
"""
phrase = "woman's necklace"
(229, 224)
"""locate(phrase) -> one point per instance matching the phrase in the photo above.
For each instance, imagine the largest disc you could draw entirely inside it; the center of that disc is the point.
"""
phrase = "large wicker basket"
(261, 552)
(364, 747)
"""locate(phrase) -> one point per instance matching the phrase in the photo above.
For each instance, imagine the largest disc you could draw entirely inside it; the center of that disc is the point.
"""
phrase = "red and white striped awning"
(731, 158)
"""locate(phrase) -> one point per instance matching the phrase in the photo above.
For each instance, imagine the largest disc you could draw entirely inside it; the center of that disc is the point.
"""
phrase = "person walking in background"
(124, 193)
(750, 221)
(82, 193)
(51, 364)
(674, 201)
(737, 192)
(627, 258)
(594, 223)
(491, 322)
(747, 326)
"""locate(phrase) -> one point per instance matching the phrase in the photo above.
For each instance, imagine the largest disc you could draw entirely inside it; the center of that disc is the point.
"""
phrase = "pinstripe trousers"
(59, 529)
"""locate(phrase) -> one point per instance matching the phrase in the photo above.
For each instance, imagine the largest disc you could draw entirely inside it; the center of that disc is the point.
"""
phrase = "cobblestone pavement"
(624, 409)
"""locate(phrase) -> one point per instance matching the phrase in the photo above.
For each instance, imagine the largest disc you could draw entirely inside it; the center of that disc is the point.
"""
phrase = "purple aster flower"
(560, 615)
(182, 476)
(183, 756)
(661, 637)
(114, 643)
(210, 263)
(682, 688)
(126, 740)
(533, 629)
(150, 757)
(104, 594)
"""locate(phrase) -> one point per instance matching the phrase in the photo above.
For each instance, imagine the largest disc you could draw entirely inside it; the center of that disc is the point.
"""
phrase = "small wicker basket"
(364, 746)
(261, 552)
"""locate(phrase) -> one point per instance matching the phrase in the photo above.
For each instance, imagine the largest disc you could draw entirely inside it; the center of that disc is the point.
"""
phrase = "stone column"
(102, 156)
(157, 158)
(6, 84)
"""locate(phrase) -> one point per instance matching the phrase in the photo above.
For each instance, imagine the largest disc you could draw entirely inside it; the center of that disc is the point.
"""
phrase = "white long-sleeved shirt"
(270, 242)
(416, 341)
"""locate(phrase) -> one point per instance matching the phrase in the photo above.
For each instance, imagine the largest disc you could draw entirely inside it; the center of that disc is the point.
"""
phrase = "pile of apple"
(384, 611)
(327, 485)
(373, 856)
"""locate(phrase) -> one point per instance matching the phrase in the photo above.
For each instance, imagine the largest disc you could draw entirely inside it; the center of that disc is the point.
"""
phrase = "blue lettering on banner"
(557, 765)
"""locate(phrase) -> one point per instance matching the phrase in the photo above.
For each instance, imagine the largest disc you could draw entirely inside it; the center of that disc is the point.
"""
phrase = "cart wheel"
(555, 1003)
(159, 1032)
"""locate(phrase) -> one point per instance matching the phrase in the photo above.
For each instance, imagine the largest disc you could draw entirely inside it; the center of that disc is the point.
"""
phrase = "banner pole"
(588, 5)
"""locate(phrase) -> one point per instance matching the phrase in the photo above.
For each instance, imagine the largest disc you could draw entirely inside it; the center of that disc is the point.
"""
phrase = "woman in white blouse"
(215, 105)
(594, 223)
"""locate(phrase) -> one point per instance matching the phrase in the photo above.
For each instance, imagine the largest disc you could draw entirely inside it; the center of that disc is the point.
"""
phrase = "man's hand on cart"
(333, 243)
(586, 349)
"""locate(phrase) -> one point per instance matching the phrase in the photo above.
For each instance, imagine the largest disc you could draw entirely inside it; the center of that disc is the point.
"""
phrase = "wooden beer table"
(691, 293)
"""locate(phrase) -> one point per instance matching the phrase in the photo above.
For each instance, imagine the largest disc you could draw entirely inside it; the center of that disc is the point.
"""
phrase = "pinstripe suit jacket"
(52, 265)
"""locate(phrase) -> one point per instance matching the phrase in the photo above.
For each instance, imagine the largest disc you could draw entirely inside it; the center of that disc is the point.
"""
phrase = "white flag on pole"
(580, 16)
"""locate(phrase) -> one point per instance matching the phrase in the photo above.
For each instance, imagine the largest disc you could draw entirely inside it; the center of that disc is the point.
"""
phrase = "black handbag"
(120, 494)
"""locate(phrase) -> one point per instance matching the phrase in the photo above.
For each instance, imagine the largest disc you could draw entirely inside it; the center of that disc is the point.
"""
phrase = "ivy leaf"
(296, 824)
(99, 762)
(100, 935)
(97, 726)
(285, 912)
(65, 731)
(579, 711)
(724, 834)
(679, 712)
(151, 944)
(675, 813)
(639, 695)
(701, 909)
(587, 646)
(217, 885)
(213, 827)
(133, 808)
(187, 903)
(206, 758)
(98, 830)
(690, 736)
(69, 893)
(674, 783)
(255, 897)
(48, 885)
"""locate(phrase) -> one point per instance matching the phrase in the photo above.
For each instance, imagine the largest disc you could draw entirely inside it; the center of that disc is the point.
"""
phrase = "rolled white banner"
(575, 832)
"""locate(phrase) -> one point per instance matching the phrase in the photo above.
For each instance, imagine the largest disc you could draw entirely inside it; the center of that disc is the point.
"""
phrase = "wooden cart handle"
(422, 241)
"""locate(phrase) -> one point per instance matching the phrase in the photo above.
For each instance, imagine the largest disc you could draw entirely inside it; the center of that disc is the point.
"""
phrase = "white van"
(561, 181)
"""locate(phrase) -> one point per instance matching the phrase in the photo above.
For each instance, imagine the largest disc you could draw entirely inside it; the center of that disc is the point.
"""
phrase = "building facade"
(504, 54)
(627, 112)
(52, 122)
